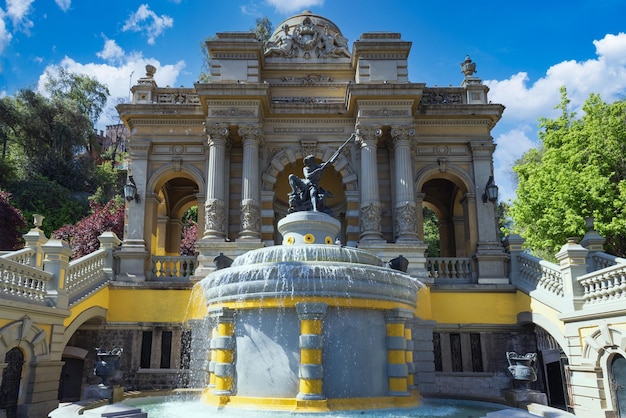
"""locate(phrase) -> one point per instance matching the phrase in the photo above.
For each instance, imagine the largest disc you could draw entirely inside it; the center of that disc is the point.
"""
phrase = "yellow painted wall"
(148, 305)
(100, 298)
(424, 308)
(474, 308)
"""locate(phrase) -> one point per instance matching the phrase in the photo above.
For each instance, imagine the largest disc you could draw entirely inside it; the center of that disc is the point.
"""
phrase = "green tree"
(578, 172)
(89, 95)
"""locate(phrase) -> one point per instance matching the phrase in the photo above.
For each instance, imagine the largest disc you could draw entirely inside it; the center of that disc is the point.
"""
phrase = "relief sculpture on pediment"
(307, 40)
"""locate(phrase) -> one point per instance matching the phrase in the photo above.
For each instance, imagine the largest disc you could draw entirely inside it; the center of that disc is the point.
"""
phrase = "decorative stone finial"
(150, 70)
(468, 67)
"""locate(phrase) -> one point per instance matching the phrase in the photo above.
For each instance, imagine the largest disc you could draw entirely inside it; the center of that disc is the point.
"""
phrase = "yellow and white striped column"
(223, 351)
(397, 370)
(408, 334)
(311, 371)
(211, 382)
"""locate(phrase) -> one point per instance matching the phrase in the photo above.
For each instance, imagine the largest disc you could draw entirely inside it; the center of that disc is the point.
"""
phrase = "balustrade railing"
(607, 285)
(535, 273)
(22, 281)
(601, 261)
(173, 267)
(86, 274)
(449, 269)
(25, 256)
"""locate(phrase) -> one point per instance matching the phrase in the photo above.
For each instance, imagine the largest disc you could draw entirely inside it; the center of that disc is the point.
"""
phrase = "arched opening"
(71, 381)
(11, 378)
(618, 384)
(446, 199)
(174, 198)
(553, 362)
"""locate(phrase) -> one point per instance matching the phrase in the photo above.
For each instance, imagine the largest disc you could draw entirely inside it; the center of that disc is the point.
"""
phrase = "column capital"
(217, 132)
(402, 133)
(250, 131)
(368, 135)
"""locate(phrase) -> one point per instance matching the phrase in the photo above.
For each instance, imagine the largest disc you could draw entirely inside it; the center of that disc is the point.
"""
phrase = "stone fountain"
(309, 325)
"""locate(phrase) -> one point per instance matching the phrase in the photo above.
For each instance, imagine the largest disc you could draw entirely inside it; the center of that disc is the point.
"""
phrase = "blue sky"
(525, 51)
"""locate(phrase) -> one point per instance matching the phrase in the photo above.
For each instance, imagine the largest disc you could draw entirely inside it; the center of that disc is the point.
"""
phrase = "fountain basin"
(309, 327)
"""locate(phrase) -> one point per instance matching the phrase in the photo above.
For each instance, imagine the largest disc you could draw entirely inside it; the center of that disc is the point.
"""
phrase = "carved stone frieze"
(385, 112)
(215, 216)
(309, 79)
(441, 98)
(250, 216)
(406, 219)
(308, 147)
(177, 98)
(233, 112)
(370, 217)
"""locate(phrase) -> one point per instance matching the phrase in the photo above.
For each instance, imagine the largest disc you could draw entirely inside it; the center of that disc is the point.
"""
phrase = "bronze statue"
(306, 193)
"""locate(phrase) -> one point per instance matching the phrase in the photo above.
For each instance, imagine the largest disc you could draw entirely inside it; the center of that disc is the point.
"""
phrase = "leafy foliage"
(83, 236)
(11, 222)
(190, 232)
(57, 203)
(431, 232)
(579, 172)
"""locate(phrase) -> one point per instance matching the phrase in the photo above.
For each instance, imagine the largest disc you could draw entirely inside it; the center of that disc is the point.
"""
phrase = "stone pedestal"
(519, 398)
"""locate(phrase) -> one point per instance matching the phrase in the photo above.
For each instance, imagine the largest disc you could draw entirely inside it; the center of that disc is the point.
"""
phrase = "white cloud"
(111, 52)
(118, 78)
(290, 6)
(146, 21)
(511, 146)
(5, 36)
(605, 75)
(526, 102)
(17, 10)
(64, 4)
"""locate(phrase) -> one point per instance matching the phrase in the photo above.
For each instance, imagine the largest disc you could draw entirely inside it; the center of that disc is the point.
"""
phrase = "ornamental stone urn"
(522, 367)
(107, 364)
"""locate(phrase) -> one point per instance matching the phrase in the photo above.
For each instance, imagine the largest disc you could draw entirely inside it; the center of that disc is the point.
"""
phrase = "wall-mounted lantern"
(491, 191)
(130, 190)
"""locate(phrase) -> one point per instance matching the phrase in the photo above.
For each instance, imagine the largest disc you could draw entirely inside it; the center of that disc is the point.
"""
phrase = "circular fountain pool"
(170, 407)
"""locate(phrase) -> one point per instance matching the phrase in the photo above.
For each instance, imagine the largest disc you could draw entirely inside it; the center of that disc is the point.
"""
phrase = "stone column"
(134, 254)
(250, 183)
(223, 347)
(215, 205)
(311, 317)
(405, 210)
(397, 369)
(370, 208)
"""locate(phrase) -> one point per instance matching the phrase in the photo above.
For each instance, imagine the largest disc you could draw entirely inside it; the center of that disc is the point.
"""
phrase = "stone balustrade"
(606, 285)
(25, 256)
(535, 273)
(173, 267)
(86, 274)
(453, 269)
(21, 281)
